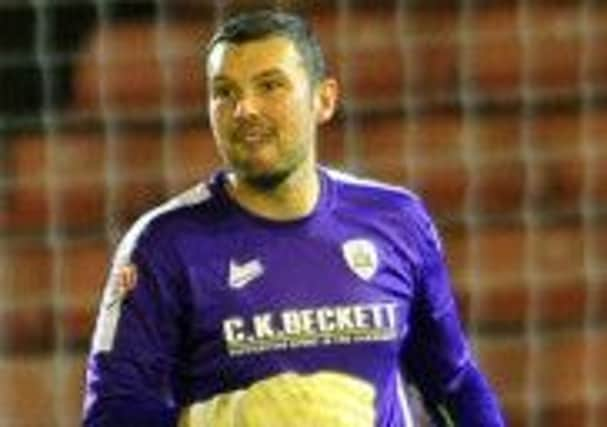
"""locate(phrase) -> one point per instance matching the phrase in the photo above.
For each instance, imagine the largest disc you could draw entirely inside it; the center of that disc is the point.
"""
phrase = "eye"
(270, 85)
(222, 92)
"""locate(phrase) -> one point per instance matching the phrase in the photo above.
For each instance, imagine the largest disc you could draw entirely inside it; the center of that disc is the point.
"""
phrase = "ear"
(325, 100)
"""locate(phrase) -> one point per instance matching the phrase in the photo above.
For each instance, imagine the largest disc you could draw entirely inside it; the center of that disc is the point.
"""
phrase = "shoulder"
(389, 206)
(375, 194)
(161, 221)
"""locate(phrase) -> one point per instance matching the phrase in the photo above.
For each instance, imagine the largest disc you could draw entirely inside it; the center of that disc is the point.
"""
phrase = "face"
(263, 109)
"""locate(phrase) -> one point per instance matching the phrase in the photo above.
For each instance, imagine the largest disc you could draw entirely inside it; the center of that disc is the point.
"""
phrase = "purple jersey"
(225, 303)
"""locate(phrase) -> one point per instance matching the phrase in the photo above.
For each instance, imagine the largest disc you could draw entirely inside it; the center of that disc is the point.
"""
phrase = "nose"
(245, 107)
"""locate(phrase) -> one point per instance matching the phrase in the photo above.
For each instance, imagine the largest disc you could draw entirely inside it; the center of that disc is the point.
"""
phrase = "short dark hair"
(250, 26)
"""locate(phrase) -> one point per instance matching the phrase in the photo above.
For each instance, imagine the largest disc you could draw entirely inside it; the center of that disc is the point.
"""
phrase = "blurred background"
(494, 111)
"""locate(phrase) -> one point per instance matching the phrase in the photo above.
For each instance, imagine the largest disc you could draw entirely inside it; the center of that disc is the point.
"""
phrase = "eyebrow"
(221, 78)
(272, 72)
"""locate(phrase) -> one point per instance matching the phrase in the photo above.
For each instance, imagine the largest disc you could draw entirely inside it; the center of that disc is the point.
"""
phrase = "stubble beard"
(271, 179)
(274, 176)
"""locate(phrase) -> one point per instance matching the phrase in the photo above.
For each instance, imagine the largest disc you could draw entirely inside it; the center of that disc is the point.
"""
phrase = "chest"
(283, 293)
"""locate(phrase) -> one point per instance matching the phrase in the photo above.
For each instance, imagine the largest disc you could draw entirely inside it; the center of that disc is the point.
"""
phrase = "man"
(280, 293)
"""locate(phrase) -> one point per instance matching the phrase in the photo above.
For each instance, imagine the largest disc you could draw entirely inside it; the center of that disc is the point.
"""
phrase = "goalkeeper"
(280, 292)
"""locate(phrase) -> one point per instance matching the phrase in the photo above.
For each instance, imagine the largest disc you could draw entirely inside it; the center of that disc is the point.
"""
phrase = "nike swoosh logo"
(240, 275)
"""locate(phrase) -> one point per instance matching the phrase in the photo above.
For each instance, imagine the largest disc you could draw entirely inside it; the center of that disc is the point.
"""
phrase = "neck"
(294, 198)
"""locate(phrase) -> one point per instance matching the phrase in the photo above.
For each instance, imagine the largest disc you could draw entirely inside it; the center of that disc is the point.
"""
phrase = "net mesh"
(492, 111)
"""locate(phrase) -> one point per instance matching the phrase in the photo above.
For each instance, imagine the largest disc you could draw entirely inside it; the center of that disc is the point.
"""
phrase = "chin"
(267, 181)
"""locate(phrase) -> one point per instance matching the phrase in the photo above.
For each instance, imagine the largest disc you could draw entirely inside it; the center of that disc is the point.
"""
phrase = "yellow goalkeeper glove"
(323, 399)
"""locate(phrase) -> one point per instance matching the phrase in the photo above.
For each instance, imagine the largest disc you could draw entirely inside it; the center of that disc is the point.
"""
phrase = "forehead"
(252, 57)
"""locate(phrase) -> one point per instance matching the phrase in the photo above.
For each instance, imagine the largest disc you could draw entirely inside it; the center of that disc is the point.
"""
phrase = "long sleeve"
(437, 357)
(130, 373)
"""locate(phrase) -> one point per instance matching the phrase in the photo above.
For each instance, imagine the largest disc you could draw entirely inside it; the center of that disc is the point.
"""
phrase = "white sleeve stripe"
(404, 403)
(366, 182)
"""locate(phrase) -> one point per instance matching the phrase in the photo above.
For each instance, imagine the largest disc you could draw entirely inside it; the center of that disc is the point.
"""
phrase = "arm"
(437, 357)
(130, 369)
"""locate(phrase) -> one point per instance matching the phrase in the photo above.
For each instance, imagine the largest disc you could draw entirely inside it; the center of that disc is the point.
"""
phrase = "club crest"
(361, 257)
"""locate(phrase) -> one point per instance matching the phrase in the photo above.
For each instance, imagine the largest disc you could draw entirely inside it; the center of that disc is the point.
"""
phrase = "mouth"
(253, 135)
